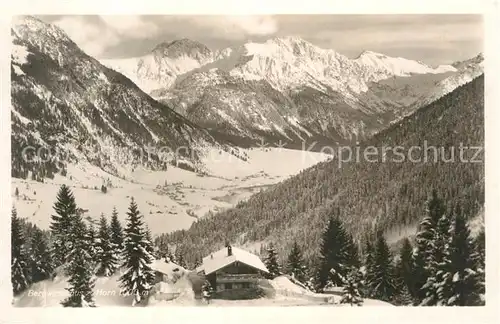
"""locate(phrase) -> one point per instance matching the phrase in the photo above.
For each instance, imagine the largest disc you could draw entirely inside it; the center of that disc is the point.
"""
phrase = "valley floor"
(170, 200)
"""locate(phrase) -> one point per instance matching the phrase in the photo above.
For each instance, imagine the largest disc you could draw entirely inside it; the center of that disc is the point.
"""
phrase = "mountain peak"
(30, 24)
(289, 39)
(28, 21)
(474, 61)
(182, 46)
(368, 53)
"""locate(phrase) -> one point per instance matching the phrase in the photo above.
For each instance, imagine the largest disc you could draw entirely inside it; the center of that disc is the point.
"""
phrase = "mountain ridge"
(302, 76)
(60, 95)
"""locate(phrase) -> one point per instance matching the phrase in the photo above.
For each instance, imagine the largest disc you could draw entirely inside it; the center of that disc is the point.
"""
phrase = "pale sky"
(432, 39)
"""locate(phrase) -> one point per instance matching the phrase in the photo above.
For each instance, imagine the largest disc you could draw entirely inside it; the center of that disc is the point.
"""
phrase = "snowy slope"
(67, 101)
(466, 71)
(166, 61)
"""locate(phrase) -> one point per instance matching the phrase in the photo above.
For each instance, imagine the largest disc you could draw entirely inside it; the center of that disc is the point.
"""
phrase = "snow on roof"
(220, 259)
(164, 267)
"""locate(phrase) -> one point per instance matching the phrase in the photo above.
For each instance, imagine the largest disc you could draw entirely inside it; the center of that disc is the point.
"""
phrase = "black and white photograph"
(333, 160)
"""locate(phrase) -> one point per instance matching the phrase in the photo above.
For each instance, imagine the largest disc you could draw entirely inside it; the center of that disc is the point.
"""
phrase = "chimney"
(229, 250)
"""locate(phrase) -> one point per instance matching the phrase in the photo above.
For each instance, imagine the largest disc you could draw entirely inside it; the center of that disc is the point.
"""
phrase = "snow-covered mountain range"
(287, 88)
(182, 94)
(64, 99)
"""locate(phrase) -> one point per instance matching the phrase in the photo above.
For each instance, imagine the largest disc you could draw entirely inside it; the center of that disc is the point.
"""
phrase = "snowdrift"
(49, 293)
(283, 287)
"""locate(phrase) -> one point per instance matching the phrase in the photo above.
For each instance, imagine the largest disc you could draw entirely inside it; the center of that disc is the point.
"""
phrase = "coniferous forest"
(367, 196)
(74, 249)
(445, 266)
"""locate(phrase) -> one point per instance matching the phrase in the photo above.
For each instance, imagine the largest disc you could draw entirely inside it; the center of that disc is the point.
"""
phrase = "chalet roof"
(220, 259)
(164, 267)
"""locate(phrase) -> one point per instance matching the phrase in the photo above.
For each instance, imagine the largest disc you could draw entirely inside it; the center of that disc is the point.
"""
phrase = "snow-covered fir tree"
(92, 241)
(138, 277)
(149, 238)
(207, 291)
(80, 267)
(61, 225)
(384, 283)
(335, 255)
(404, 269)
(20, 276)
(40, 261)
(198, 261)
(458, 285)
(179, 258)
(351, 293)
(479, 260)
(107, 261)
(404, 298)
(422, 255)
(163, 249)
(271, 262)
(435, 260)
(368, 268)
(295, 264)
(116, 234)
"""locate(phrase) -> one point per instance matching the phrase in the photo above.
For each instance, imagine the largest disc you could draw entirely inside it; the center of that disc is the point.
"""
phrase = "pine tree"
(352, 287)
(353, 254)
(404, 297)
(92, 241)
(41, 261)
(107, 261)
(404, 268)
(138, 277)
(435, 260)
(271, 262)
(163, 248)
(424, 243)
(384, 285)
(80, 267)
(295, 265)
(368, 269)
(150, 245)
(197, 262)
(458, 285)
(335, 255)
(20, 276)
(116, 234)
(61, 225)
(479, 261)
(179, 258)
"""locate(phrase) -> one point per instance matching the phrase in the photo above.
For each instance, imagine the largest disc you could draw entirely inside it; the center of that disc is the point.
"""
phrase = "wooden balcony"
(223, 278)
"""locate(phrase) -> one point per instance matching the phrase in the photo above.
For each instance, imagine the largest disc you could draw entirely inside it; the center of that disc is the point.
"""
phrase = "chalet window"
(228, 286)
(245, 285)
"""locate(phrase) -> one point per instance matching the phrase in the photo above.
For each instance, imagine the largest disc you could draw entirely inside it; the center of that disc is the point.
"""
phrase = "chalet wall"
(248, 293)
(238, 268)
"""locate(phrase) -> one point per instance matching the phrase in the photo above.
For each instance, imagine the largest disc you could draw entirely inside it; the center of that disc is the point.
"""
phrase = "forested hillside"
(366, 195)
